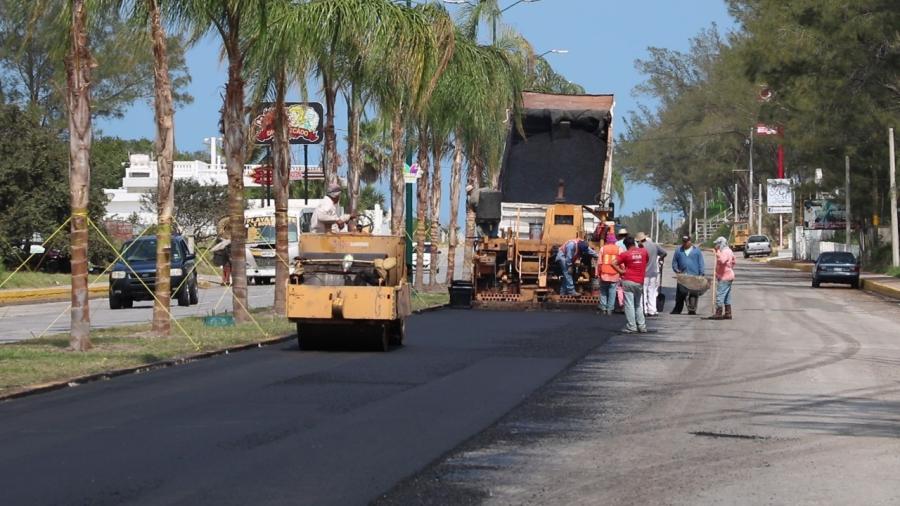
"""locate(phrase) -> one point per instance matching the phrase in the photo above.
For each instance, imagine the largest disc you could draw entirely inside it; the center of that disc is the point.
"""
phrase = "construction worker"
(632, 265)
(570, 252)
(609, 276)
(326, 216)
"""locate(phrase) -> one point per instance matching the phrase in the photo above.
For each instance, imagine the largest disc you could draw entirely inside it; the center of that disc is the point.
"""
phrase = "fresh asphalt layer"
(276, 425)
(795, 401)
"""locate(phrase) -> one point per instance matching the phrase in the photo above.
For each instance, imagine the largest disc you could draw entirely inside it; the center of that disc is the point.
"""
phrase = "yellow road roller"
(349, 286)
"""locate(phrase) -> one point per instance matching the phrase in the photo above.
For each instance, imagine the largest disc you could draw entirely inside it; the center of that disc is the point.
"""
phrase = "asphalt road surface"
(795, 401)
(24, 321)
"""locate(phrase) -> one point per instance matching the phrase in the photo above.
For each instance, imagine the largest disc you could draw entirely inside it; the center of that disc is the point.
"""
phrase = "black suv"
(128, 283)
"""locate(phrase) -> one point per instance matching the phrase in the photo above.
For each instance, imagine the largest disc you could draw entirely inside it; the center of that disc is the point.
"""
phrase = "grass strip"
(31, 362)
(24, 279)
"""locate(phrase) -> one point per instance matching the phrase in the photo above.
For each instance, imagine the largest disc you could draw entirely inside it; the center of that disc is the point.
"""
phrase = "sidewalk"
(879, 283)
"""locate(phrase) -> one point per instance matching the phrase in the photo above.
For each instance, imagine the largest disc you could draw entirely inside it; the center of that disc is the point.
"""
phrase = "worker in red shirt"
(631, 264)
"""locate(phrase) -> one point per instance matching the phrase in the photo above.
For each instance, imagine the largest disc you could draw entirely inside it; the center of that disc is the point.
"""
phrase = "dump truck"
(554, 186)
(349, 287)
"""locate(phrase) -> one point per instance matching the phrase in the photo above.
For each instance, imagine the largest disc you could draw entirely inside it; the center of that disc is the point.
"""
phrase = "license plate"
(841, 269)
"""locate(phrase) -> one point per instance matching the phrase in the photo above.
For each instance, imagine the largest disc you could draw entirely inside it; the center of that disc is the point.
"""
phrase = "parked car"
(758, 245)
(426, 258)
(137, 279)
(836, 267)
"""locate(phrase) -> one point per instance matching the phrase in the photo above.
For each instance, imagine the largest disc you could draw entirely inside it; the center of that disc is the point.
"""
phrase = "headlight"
(117, 275)
(347, 263)
(175, 272)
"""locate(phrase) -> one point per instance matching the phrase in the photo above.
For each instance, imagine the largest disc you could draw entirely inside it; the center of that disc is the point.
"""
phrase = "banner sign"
(779, 197)
(304, 123)
(824, 214)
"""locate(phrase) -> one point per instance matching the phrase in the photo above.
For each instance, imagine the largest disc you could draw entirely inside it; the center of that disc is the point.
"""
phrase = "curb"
(90, 378)
(879, 288)
(46, 294)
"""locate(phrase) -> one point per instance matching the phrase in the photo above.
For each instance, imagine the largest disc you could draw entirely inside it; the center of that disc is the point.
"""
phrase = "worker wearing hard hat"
(326, 216)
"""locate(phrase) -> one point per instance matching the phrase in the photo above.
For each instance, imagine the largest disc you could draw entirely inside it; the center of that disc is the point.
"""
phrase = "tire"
(855, 284)
(384, 337)
(398, 332)
(115, 302)
(184, 296)
(127, 302)
(194, 293)
(746, 255)
(815, 284)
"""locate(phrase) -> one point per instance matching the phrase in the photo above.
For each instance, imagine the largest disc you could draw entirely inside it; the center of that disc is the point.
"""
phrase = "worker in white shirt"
(326, 216)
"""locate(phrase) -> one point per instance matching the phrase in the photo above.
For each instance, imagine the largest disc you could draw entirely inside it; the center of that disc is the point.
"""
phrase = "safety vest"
(576, 255)
(608, 253)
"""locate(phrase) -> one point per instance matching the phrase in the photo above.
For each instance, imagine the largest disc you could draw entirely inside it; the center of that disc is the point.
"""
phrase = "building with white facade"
(141, 176)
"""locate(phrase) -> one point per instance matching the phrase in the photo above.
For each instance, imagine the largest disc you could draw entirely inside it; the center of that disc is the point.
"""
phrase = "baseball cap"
(685, 238)
(640, 237)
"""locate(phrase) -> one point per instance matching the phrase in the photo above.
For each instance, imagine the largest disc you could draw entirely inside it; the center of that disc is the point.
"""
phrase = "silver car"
(758, 245)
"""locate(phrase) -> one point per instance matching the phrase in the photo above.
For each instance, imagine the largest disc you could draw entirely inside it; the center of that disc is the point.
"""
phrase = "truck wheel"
(194, 293)
(115, 302)
(307, 338)
(184, 296)
(746, 255)
(384, 337)
(398, 332)
(127, 302)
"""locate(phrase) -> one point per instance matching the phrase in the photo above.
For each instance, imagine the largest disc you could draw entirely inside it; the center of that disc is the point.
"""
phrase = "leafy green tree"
(198, 207)
(109, 156)
(34, 76)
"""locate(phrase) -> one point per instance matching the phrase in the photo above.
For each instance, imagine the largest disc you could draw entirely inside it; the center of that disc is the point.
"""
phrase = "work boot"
(727, 312)
(718, 315)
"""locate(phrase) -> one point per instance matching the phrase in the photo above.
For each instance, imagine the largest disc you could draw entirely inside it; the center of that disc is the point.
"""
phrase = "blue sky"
(603, 37)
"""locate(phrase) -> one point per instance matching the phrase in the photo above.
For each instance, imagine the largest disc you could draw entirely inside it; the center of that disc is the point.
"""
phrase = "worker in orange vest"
(609, 276)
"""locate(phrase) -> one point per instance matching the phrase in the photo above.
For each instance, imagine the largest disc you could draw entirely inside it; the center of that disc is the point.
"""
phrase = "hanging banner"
(778, 196)
(304, 123)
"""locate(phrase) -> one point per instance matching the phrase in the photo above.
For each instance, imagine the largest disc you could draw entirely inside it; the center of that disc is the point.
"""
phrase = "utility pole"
(737, 206)
(750, 186)
(705, 222)
(895, 240)
(759, 215)
(847, 201)
(691, 218)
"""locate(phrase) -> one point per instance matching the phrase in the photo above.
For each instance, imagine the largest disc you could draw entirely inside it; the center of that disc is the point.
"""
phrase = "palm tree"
(236, 22)
(165, 150)
(78, 63)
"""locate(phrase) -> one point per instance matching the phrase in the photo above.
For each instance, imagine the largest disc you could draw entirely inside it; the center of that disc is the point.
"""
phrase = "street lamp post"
(554, 51)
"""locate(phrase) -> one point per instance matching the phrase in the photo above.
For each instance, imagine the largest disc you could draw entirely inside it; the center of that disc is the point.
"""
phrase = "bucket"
(461, 294)
(535, 231)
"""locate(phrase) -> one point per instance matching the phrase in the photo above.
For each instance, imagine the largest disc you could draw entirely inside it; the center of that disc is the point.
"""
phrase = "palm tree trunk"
(354, 155)
(78, 81)
(165, 149)
(422, 207)
(282, 163)
(437, 152)
(474, 179)
(330, 168)
(398, 133)
(234, 164)
(470, 225)
(455, 183)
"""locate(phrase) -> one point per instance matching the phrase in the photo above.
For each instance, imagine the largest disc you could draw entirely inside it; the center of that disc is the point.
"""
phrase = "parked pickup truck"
(758, 245)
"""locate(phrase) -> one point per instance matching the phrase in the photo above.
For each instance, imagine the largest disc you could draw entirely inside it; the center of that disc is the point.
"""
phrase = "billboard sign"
(778, 196)
(304, 123)
(824, 214)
